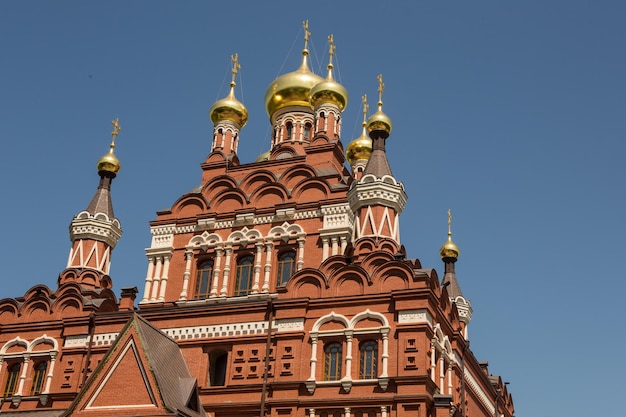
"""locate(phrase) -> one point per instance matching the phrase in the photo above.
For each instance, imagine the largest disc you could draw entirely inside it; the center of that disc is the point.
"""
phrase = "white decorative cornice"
(286, 325)
(95, 227)
(475, 387)
(370, 191)
(415, 316)
(162, 236)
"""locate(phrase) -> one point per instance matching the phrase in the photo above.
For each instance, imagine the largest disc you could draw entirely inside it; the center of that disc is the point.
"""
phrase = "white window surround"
(27, 355)
(223, 251)
(348, 333)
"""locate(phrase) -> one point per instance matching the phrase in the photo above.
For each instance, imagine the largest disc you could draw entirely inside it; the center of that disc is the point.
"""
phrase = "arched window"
(368, 359)
(203, 280)
(332, 362)
(243, 283)
(307, 131)
(39, 376)
(13, 375)
(217, 368)
(286, 267)
(289, 130)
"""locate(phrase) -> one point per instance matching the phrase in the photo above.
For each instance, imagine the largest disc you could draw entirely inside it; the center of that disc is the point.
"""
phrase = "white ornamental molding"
(286, 325)
(384, 191)
(415, 316)
(474, 386)
(163, 236)
(97, 227)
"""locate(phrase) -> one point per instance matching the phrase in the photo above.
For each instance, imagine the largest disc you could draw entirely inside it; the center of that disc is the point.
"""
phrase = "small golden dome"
(291, 89)
(109, 163)
(329, 91)
(379, 121)
(361, 147)
(265, 156)
(229, 108)
(449, 249)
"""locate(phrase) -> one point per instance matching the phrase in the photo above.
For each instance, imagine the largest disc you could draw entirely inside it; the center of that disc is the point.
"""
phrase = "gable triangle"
(127, 370)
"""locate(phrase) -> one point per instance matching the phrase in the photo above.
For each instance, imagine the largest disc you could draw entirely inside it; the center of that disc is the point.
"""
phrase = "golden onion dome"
(229, 108)
(359, 149)
(331, 92)
(265, 156)
(379, 121)
(291, 89)
(109, 163)
(449, 249)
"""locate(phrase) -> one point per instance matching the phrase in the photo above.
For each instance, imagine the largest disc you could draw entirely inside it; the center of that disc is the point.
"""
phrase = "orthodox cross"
(236, 66)
(332, 48)
(366, 107)
(116, 130)
(307, 33)
(449, 223)
(381, 88)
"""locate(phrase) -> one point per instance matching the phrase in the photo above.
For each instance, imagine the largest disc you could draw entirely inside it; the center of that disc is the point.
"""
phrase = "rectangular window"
(243, 282)
(39, 376)
(203, 280)
(13, 375)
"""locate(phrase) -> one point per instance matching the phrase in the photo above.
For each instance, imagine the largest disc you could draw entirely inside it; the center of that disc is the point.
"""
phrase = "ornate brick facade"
(275, 288)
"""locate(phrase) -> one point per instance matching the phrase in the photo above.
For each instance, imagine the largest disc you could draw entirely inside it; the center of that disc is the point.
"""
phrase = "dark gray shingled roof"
(378, 165)
(101, 201)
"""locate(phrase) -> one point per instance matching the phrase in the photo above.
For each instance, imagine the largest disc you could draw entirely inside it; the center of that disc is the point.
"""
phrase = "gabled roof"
(143, 371)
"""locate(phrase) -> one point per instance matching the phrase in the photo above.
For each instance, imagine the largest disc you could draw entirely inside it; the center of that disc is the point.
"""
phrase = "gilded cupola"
(229, 108)
(361, 147)
(292, 89)
(108, 163)
(379, 123)
(449, 249)
(329, 91)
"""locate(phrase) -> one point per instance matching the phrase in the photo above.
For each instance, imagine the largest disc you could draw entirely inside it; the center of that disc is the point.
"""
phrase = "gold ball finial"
(109, 163)
(379, 124)
(449, 249)
(229, 108)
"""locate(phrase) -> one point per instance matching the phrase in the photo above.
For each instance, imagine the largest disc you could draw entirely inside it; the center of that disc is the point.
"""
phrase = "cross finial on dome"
(449, 223)
(381, 88)
(307, 34)
(116, 131)
(236, 68)
(366, 108)
(331, 50)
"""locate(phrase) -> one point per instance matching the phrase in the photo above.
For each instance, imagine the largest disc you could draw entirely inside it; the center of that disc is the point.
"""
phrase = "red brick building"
(274, 288)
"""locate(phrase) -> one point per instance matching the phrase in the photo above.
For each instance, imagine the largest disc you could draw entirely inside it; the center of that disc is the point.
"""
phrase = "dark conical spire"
(101, 201)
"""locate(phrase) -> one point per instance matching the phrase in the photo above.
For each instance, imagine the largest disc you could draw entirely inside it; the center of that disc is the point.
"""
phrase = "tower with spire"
(95, 231)
(377, 198)
(449, 253)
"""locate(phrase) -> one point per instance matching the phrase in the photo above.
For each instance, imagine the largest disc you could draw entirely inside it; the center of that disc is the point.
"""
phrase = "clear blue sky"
(512, 114)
